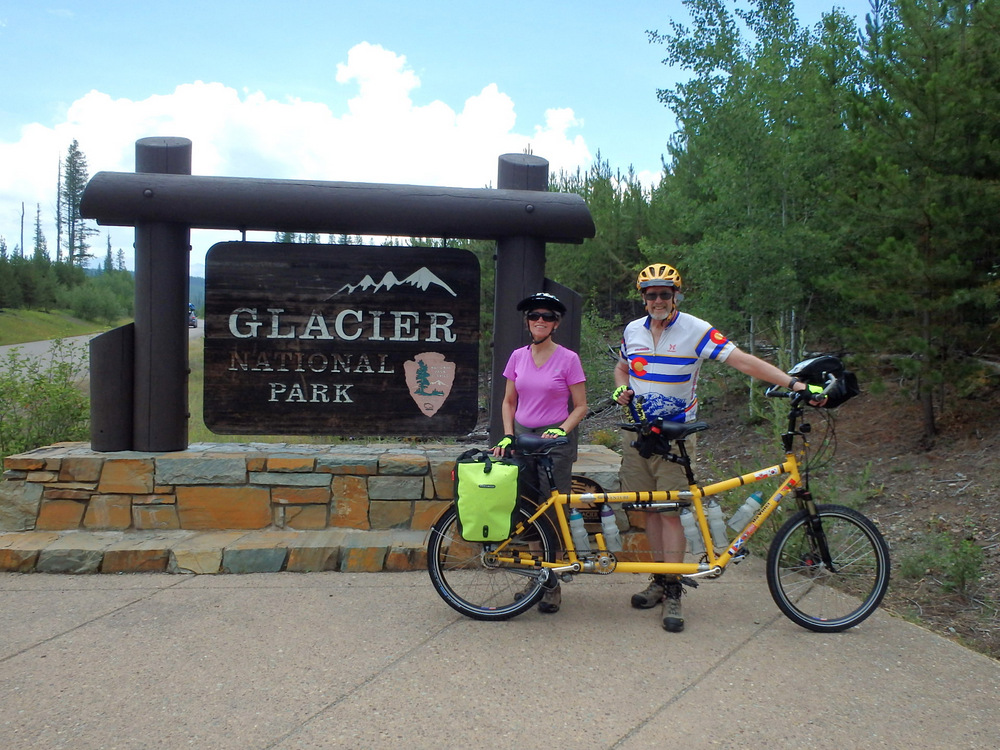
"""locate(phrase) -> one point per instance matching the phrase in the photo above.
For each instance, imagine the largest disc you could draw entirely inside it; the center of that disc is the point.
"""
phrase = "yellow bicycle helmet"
(658, 274)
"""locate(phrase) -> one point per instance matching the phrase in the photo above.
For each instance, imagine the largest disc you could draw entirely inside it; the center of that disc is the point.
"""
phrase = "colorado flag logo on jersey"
(711, 344)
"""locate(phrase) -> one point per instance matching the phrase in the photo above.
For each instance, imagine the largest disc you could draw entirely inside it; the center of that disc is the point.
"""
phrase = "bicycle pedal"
(566, 577)
(740, 556)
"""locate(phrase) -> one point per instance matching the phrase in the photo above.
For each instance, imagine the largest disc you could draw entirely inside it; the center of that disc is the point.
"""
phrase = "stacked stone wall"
(368, 506)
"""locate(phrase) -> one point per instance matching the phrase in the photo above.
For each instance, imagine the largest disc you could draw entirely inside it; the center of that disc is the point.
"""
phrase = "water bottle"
(716, 523)
(609, 527)
(746, 511)
(695, 543)
(579, 532)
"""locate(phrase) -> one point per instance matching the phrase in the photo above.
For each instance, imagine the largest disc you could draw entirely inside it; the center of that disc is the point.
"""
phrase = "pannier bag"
(815, 371)
(485, 495)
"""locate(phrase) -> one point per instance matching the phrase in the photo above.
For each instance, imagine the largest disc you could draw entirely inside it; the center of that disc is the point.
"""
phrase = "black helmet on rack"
(542, 301)
(820, 370)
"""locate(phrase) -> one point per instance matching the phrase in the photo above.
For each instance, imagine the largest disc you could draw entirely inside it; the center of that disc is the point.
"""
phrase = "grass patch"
(24, 326)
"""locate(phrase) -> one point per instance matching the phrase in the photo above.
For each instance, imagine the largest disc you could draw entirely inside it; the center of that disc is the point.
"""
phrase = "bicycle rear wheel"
(481, 589)
(819, 597)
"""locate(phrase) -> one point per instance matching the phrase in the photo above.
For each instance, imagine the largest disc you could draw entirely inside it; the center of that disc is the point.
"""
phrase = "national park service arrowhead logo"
(429, 379)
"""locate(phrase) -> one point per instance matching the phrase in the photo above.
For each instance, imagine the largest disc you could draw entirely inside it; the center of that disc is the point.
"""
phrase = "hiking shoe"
(652, 595)
(551, 600)
(673, 621)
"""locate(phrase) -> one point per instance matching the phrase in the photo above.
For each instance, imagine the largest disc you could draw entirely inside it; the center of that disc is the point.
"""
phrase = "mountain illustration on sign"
(422, 278)
(429, 379)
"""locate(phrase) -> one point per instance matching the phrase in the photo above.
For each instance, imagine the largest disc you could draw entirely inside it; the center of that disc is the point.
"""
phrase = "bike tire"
(461, 577)
(812, 595)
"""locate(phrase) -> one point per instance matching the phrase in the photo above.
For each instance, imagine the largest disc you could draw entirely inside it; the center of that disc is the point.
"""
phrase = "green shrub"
(92, 302)
(41, 401)
(954, 562)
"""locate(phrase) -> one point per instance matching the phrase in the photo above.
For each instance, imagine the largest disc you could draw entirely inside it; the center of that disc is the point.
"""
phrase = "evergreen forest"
(827, 189)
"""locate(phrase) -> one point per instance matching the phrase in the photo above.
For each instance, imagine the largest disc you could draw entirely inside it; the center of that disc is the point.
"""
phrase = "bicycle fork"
(814, 527)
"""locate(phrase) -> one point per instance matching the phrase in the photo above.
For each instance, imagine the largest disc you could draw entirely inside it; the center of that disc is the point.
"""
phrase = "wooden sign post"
(324, 337)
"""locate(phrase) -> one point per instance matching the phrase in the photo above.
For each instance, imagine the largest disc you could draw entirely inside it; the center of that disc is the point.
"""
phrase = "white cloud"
(383, 136)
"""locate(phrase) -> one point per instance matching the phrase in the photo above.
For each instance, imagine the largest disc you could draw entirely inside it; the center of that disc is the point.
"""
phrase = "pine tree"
(59, 214)
(75, 179)
(41, 246)
(928, 210)
(109, 264)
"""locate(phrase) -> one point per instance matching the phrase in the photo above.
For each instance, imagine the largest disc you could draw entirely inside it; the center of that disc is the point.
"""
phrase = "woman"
(543, 379)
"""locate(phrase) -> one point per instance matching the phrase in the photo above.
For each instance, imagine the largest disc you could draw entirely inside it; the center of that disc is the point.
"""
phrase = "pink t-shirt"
(543, 392)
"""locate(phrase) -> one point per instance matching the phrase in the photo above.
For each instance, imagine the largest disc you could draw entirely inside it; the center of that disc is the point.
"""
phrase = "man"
(661, 356)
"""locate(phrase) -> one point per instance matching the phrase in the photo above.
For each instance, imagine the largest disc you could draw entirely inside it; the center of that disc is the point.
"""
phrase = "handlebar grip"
(778, 391)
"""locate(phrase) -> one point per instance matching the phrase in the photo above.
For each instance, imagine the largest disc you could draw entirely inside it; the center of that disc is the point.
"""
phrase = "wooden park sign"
(340, 340)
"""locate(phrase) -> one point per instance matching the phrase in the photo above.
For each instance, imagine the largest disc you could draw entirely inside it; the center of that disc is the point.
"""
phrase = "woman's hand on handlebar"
(503, 447)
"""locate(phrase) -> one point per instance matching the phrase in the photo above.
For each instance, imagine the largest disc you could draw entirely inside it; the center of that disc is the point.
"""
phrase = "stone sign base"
(235, 508)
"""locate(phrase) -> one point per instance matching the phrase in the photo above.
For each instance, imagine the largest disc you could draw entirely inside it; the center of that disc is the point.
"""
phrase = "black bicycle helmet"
(816, 371)
(541, 301)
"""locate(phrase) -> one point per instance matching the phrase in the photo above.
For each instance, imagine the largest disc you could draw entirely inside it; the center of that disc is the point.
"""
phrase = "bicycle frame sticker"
(773, 471)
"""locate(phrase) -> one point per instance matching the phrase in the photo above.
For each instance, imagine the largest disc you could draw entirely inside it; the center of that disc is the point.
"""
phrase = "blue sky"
(403, 92)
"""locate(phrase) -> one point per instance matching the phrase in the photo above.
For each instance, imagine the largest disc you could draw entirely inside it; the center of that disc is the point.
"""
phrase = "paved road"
(337, 660)
(41, 349)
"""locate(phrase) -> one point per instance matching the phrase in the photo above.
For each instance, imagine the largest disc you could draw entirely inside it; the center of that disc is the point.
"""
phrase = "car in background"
(192, 318)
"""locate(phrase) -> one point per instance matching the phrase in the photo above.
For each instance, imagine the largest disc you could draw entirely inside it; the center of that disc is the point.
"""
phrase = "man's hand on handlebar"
(622, 395)
(817, 395)
(814, 395)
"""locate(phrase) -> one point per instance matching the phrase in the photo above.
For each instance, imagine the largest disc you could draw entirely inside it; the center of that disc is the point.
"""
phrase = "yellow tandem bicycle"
(827, 567)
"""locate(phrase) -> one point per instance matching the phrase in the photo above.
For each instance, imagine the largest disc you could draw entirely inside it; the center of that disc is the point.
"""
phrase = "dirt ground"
(934, 507)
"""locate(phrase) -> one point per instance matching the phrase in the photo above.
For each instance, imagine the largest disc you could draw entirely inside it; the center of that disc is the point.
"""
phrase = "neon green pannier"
(485, 495)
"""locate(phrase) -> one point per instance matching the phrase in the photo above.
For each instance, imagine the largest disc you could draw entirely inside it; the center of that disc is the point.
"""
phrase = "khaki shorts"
(653, 474)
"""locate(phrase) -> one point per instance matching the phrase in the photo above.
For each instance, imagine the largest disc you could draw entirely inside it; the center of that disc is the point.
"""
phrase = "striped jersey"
(666, 375)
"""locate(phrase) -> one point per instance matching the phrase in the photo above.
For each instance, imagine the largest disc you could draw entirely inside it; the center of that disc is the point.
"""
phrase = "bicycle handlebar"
(778, 391)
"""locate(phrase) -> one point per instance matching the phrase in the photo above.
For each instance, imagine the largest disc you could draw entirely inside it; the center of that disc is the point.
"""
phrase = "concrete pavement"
(355, 660)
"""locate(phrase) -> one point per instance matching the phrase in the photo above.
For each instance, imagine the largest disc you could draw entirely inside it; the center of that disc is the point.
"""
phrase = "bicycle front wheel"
(828, 598)
(478, 587)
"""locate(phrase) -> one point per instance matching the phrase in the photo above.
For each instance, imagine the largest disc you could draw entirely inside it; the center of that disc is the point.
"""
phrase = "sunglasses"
(548, 317)
(653, 296)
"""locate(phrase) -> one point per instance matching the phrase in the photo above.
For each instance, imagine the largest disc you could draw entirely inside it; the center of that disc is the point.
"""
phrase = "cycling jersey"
(666, 374)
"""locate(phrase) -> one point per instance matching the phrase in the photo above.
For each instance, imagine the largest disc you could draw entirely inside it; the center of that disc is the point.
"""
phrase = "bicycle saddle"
(537, 445)
(667, 430)
(678, 430)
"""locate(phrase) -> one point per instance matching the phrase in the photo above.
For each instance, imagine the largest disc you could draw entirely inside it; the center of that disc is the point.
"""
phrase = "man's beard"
(660, 314)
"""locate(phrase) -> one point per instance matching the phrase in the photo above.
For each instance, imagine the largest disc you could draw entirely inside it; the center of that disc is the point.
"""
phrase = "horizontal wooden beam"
(241, 203)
